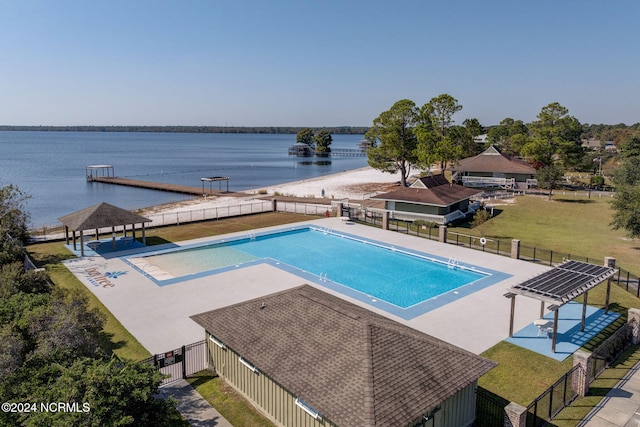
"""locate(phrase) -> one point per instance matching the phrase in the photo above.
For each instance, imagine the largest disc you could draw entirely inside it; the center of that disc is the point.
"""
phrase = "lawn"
(568, 224)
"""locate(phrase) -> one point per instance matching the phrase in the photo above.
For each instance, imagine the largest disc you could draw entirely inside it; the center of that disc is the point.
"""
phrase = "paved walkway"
(193, 407)
(620, 407)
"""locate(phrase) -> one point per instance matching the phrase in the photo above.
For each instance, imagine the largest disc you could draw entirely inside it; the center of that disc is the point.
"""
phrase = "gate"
(181, 362)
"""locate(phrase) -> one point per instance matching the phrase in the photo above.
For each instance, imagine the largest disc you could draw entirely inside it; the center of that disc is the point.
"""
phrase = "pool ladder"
(327, 230)
(251, 235)
(324, 277)
(453, 263)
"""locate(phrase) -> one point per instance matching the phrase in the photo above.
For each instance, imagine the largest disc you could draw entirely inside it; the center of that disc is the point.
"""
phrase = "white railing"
(487, 181)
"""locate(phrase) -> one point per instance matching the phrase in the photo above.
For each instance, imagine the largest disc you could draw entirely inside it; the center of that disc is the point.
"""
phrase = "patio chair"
(545, 327)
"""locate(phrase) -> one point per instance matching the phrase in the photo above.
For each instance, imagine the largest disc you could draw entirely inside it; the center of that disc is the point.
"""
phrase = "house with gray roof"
(307, 358)
(431, 198)
(492, 168)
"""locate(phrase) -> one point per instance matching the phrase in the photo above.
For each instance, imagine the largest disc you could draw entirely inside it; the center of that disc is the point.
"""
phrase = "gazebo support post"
(584, 310)
(113, 238)
(66, 234)
(81, 243)
(97, 235)
(555, 329)
(133, 231)
(513, 310)
(144, 237)
(541, 309)
(74, 240)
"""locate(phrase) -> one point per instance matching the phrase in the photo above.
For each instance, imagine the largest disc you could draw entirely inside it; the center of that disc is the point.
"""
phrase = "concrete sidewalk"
(193, 407)
(620, 407)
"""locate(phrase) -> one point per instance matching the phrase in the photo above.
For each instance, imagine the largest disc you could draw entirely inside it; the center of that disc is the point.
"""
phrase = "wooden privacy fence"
(181, 362)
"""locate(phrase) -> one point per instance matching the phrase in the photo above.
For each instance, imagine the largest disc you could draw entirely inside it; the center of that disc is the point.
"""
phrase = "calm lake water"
(50, 166)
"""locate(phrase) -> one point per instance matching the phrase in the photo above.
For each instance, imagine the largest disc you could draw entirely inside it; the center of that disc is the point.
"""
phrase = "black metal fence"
(489, 409)
(554, 399)
(611, 349)
(623, 279)
(181, 362)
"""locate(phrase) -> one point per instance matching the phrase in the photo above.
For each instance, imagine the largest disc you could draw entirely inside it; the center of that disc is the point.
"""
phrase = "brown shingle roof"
(101, 215)
(438, 192)
(492, 160)
(357, 368)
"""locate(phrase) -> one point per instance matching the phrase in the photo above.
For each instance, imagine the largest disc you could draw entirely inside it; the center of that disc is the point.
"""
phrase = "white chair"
(545, 327)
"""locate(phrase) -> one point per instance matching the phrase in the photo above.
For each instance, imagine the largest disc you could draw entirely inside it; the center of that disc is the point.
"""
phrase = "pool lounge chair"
(545, 327)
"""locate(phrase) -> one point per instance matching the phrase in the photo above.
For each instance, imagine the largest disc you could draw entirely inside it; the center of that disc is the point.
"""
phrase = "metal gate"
(181, 362)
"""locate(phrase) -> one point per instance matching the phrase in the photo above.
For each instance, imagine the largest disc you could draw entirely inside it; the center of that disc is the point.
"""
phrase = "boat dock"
(105, 174)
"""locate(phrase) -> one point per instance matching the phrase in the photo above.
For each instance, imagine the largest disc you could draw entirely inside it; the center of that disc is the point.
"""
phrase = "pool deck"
(158, 316)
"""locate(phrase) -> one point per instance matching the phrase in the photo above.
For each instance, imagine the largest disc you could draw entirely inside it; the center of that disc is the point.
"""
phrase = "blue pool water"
(366, 269)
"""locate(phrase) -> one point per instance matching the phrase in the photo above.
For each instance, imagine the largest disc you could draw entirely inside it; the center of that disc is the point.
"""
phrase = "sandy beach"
(357, 184)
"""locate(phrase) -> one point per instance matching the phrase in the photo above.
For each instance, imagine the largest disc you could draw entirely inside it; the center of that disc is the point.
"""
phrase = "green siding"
(278, 404)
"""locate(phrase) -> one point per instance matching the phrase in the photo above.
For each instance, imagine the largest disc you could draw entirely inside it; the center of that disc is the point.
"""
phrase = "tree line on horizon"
(336, 130)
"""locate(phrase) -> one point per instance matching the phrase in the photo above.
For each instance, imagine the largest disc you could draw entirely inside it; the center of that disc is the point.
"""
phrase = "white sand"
(357, 184)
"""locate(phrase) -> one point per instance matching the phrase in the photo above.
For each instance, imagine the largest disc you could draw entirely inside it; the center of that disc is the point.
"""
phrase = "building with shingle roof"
(492, 168)
(432, 198)
(308, 358)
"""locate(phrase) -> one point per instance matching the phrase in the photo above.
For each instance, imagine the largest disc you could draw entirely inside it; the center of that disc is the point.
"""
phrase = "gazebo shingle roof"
(99, 216)
(357, 368)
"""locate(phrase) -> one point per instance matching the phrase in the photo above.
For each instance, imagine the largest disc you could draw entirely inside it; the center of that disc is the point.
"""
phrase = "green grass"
(568, 224)
(231, 405)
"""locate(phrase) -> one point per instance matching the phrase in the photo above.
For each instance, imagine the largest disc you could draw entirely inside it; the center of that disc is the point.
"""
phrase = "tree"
(549, 177)
(626, 201)
(111, 393)
(437, 143)
(479, 219)
(14, 219)
(323, 140)
(510, 136)
(305, 136)
(394, 141)
(555, 137)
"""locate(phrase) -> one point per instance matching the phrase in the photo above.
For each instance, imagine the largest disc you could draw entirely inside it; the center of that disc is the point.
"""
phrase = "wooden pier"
(173, 188)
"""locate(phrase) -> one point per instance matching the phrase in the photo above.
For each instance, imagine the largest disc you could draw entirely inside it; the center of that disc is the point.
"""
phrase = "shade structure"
(99, 216)
(559, 286)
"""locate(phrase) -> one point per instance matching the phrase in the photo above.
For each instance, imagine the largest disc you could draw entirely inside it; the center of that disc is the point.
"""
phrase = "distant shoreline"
(338, 130)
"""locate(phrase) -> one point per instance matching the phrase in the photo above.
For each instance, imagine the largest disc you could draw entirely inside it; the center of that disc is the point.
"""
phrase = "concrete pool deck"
(158, 316)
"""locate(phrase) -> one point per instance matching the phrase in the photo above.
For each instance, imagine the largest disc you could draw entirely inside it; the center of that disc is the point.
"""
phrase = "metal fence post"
(184, 362)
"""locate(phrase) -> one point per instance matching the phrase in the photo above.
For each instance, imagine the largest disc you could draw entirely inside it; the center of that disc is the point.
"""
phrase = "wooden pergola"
(559, 286)
(99, 216)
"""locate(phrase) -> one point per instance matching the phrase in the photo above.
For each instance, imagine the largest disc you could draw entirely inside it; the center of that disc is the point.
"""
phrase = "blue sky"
(313, 63)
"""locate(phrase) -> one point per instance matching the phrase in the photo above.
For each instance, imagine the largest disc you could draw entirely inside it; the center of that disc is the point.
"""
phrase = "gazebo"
(561, 285)
(100, 216)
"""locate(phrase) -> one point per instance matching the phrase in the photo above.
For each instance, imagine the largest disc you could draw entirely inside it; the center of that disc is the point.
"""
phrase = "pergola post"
(74, 240)
(611, 263)
(513, 311)
(555, 329)
(113, 238)
(81, 243)
(144, 237)
(66, 234)
(541, 309)
(584, 310)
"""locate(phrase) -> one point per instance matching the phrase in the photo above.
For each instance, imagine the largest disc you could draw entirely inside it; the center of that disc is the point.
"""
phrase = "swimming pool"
(370, 271)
